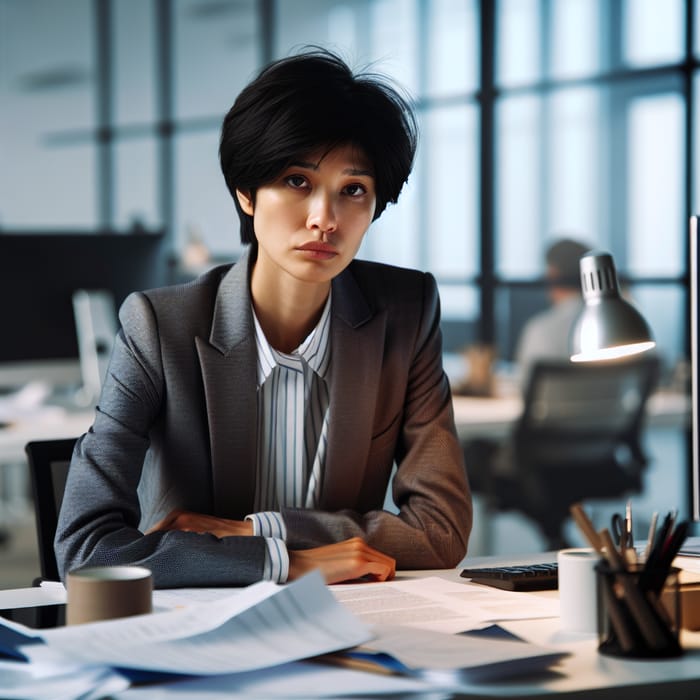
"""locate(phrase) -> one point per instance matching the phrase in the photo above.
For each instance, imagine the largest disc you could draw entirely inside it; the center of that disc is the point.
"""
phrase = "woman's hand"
(342, 561)
(187, 521)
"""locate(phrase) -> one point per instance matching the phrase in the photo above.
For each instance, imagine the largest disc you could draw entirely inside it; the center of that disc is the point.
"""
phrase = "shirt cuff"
(268, 524)
(276, 567)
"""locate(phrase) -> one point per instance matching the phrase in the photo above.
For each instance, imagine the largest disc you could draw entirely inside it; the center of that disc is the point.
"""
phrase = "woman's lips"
(319, 251)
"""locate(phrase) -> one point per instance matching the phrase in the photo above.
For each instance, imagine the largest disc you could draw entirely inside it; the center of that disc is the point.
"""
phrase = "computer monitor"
(42, 271)
(695, 364)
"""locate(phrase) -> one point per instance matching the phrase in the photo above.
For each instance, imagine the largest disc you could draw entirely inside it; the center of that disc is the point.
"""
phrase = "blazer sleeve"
(430, 486)
(100, 514)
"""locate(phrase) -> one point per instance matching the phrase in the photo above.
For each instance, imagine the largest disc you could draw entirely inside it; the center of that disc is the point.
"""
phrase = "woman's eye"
(296, 181)
(355, 190)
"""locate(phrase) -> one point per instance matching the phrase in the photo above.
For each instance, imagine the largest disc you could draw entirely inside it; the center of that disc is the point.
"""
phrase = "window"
(216, 52)
(578, 152)
(538, 119)
(47, 91)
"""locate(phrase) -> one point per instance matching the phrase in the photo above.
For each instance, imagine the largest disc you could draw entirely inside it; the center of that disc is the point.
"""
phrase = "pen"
(629, 530)
(659, 542)
(675, 541)
(674, 515)
(627, 537)
(651, 535)
(649, 575)
(671, 548)
(356, 664)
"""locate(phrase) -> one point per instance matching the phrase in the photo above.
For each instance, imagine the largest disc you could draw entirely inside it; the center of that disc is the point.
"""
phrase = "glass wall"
(47, 95)
(591, 143)
(538, 119)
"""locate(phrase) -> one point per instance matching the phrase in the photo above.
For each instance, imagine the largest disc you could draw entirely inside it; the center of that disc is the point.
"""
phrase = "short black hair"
(309, 101)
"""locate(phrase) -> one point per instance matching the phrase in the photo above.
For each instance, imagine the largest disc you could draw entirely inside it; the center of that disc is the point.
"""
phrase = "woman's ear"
(246, 201)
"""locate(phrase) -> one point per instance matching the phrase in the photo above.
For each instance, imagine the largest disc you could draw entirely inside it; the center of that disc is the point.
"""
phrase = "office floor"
(19, 559)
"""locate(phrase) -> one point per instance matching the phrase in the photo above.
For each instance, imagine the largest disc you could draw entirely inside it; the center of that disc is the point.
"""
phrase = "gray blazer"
(176, 428)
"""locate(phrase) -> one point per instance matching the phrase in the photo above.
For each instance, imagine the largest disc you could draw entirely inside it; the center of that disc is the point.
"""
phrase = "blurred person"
(546, 335)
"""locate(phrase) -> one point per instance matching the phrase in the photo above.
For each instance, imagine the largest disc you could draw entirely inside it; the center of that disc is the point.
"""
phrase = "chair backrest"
(579, 437)
(581, 408)
(48, 466)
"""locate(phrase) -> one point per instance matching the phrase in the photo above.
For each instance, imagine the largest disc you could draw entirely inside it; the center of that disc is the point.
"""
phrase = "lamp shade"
(608, 326)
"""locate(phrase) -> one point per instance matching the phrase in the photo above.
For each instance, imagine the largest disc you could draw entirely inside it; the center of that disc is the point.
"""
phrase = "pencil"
(586, 526)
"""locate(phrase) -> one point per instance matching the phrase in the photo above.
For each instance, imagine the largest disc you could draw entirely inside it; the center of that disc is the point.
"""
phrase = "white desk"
(494, 417)
(585, 673)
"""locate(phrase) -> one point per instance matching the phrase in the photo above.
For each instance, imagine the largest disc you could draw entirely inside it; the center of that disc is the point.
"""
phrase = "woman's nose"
(322, 215)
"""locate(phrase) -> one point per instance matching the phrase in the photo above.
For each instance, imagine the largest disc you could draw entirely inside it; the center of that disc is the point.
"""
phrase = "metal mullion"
(104, 116)
(164, 42)
(423, 196)
(689, 93)
(487, 20)
(267, 17)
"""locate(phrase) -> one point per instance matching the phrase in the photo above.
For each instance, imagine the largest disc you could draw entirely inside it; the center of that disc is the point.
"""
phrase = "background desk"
(477, 417)
(474, 417)
(45, 425)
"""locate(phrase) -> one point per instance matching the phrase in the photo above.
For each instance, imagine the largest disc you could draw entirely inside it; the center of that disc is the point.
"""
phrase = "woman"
(251, 419)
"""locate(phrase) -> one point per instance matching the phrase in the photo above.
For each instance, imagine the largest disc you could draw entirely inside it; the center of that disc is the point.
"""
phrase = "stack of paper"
(262, 625)
(216, 633)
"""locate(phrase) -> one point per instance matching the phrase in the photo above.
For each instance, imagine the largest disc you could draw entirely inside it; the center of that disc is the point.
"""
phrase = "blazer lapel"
(357, 337)
(228, 362)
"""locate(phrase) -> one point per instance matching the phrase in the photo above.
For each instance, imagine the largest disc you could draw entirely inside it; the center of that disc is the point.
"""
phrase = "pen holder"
(633, 620)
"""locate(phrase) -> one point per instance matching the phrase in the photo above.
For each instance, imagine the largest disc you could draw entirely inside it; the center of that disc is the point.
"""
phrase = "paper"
(22, 681)
(169, 598)
(690, 568)
(262, 625)
(450, 658)
(303, 680)
(436, 604)
(215, 632)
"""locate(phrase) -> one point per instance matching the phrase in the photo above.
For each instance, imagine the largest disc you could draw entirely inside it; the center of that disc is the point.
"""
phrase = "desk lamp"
(608, 327)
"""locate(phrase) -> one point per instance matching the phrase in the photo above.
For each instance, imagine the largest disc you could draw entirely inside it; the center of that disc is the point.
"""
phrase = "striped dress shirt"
(293, 401)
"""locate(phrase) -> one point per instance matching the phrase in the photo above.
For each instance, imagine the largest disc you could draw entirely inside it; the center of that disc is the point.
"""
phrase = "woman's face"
(310, 221)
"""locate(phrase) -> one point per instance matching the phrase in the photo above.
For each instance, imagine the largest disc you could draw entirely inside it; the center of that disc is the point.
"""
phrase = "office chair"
(579, 437)
(48, 467)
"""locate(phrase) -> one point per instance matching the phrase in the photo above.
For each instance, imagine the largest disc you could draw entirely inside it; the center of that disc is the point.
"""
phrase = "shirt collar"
(314, 349)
